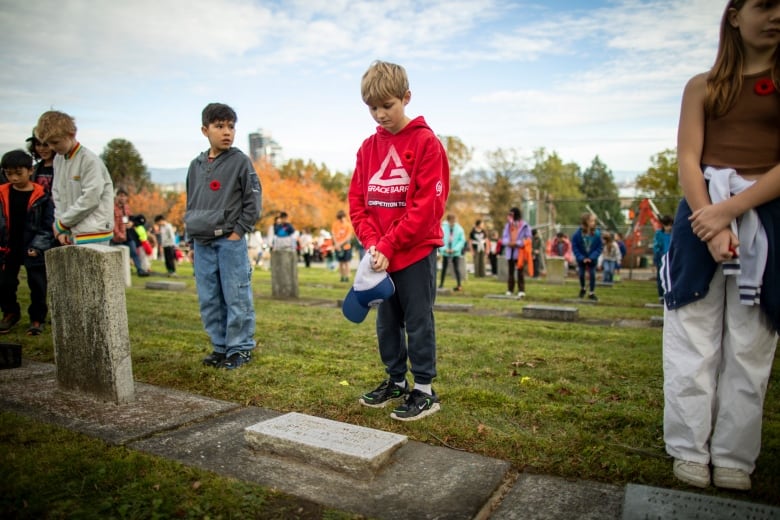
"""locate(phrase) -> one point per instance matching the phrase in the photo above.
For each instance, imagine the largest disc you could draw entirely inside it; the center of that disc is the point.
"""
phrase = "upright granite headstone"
(284, 273)
(126, 265)
(89, 321)
(556, 269)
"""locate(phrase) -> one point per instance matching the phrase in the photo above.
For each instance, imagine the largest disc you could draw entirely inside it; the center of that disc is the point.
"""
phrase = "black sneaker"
(383, 394)
(235, 360)
(416, 406)
(214, 359)
(592, 296)
(582, 293)
(8, 321)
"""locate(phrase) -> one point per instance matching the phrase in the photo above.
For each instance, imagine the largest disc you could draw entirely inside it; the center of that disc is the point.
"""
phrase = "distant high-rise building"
(262, 145)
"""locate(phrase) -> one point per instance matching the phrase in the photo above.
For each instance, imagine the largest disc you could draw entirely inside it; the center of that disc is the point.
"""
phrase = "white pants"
(717, 357)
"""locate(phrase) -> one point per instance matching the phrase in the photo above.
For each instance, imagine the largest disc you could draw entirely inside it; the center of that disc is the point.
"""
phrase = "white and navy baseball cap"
(369, 290)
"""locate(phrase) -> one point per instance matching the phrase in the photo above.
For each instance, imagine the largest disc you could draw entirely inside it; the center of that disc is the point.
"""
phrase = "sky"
(579, 78)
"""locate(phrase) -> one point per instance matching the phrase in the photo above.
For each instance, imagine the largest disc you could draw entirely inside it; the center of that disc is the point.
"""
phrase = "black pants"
(170, 258)
(510, 281)
(405, 326)
(455, 266)
(36, 281)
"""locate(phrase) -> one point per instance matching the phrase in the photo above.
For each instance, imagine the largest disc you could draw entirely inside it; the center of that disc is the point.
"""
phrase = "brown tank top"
(747, 138)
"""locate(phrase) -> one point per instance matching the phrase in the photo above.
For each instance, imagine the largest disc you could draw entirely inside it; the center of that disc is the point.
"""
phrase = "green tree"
(601, 192)
(559, 183)
(461, 199)
(500, 186)
(660, 182)
(307, 172)
(126, 167)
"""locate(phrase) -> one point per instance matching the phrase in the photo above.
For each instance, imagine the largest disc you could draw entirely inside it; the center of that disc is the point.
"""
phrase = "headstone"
(650, 503)
(126, 265)
(284, 273)
(550, 312)
(166, 286)
(452, 307)
(355, 450)
(89, 321)
(656, 321)
(556, 269)
(503, 269)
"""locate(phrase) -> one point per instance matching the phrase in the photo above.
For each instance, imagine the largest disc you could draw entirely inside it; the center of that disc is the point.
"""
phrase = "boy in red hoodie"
(396, 200)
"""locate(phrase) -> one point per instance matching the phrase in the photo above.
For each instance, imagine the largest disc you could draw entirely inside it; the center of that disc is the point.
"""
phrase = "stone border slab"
(550, 312)
(643, 502)
(166, 286)
(541, 497)
(453, 307)
(502, 297)
(355, 450)
(422, 482)
(580, 301)
(154, 409)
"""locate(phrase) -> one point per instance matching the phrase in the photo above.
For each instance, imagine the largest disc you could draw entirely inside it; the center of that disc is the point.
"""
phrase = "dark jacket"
(38, 232)
(581, 252)
(690, 266)
(222, 196)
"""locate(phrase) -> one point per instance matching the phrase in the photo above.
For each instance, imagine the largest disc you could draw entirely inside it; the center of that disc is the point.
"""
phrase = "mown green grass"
(577, 400)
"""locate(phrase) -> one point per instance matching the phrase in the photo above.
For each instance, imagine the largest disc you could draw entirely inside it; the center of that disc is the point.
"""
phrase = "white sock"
(401, 384)
(426, 389)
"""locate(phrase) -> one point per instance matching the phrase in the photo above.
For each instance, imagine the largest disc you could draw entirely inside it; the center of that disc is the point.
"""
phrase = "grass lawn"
(577, 400)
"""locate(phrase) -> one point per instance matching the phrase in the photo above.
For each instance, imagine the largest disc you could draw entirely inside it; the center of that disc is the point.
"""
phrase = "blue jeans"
(223, 279)
(407, 319)
(133, 247)
(609, 270)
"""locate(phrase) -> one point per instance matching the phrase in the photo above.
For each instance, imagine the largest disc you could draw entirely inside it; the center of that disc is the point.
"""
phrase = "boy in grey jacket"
(223, 204)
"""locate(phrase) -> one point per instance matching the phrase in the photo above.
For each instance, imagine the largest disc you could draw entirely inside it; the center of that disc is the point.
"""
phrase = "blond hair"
(724, 81)
(54, 124)
(382, 81)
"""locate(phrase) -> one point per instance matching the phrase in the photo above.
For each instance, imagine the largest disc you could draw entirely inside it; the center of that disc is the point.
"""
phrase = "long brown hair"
(724, 81)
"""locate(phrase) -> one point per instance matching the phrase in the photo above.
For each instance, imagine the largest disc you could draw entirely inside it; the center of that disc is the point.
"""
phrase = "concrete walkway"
(209, 434)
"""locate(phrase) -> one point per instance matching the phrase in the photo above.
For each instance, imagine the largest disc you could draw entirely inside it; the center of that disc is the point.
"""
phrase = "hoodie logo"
(390, 183)
(390, 175)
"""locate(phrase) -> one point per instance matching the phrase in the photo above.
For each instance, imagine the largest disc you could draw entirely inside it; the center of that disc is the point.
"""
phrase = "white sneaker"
(731, 478)
(509, 293)
(692, 473)
(521, 295)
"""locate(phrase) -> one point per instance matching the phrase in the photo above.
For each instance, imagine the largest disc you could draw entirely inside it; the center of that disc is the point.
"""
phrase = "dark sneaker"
(383, 394)
(582, 293)
(235, 360)
(592, 296)
(8, 321)
(416, 406)
(214, 359)
(36, 329)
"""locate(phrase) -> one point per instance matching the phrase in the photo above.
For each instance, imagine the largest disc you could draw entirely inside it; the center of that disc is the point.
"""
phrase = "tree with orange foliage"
(307, 202)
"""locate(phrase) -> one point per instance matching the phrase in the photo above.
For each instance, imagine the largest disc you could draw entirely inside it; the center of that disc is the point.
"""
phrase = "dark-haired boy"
(223, 204)
(26, 218)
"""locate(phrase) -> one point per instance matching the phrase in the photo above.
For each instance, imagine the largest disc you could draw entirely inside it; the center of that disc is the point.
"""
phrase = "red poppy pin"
(764, 87)
(409, 156)
(215, 185)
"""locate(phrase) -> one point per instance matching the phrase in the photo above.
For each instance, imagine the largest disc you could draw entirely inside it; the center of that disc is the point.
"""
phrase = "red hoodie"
(398, 193)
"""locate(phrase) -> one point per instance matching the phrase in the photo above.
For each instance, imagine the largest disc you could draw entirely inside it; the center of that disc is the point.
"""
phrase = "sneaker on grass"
(235, 360)
(416, 406)
(386, 391)
(214, 359)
